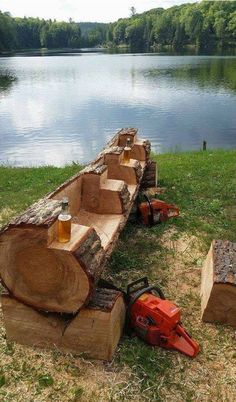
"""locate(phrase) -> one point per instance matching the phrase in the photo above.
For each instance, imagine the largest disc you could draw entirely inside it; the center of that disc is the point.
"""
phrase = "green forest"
(204, 24)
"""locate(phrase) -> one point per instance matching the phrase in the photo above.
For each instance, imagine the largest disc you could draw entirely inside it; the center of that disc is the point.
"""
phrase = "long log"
(41, 272)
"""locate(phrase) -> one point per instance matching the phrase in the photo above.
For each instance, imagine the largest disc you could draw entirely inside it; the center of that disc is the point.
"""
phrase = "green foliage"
(202, 185)
(2, 380)
(6, 81)
(34, 182)
(78, 392)
(200, 24)
(148, 365)
(30, 33)
(7, 32)
(45, 380)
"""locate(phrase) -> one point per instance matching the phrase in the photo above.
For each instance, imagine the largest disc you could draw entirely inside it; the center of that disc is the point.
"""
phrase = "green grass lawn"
(202, 185)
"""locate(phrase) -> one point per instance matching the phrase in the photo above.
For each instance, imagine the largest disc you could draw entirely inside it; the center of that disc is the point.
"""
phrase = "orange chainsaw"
(154, 211)
(157, 320)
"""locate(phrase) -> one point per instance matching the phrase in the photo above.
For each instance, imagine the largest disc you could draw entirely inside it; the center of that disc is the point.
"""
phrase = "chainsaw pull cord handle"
(136, 297)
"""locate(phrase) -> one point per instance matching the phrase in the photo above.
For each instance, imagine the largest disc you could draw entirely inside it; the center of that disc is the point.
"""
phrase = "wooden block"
(130, 172)
(27, 326)
(91, 188)
(78, 235)
(126, 133)
(113, 155)
(94, 331)
(218, 287)
(114, 197)
(140, 150)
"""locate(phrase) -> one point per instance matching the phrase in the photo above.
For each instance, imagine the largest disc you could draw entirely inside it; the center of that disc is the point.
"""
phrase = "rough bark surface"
(149, 176)
(92, 256)
(125, 198)
(224, 255)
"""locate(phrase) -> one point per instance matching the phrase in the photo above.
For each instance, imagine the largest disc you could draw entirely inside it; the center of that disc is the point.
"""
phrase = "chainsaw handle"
(144, 284)
(140, 293)
(151, 212)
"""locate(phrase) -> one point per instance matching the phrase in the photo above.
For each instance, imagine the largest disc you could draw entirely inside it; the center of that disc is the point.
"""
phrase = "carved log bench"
(45, 275)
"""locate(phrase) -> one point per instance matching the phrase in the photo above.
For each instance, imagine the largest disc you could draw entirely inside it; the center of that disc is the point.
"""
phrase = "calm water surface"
(54, 110)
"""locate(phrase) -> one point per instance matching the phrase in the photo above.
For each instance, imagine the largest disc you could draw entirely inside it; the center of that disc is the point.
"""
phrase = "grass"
(20, 187)
(202, 184)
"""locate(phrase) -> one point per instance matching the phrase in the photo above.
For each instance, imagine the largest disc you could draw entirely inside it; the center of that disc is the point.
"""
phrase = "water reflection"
(6, 81)
(209, 73)
(64, 109)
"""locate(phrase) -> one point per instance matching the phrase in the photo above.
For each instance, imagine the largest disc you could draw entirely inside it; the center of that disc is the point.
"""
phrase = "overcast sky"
(82, 10)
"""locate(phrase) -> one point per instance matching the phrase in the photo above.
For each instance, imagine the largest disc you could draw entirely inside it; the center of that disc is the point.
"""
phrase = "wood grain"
(218, 287)
(94, 331)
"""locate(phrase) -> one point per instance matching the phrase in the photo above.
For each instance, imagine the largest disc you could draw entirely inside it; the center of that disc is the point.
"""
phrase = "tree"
(119, 32)
(7, 32)
(193, 24)
(134, 34)
(132, 11)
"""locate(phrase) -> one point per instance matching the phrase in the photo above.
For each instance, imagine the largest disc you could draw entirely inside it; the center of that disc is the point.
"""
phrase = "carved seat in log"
(45, 275)
(218, 288)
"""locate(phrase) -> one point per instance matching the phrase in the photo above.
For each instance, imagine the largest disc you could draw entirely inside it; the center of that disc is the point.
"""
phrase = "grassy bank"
(203, 185)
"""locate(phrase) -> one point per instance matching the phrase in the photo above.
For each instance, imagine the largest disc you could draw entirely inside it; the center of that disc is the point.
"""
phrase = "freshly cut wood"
(29, 327)
(218, 288)
(97, 329)
(94, 331)
(130, 172)
(53, 276)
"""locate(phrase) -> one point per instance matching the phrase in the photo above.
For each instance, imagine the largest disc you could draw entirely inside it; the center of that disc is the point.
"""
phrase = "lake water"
(62, 108)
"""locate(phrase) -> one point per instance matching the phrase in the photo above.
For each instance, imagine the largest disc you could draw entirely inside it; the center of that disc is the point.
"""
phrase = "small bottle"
(127, 151)
(64, 222)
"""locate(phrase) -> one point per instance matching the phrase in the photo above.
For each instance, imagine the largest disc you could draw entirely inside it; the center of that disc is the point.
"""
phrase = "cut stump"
(95, 331)
(218, 287)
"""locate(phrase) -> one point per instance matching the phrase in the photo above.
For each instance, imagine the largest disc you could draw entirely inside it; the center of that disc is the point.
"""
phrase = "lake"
(61, 108)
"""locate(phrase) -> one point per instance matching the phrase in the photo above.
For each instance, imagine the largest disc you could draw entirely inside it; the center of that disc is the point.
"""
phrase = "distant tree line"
(201, 24)
(32, 33)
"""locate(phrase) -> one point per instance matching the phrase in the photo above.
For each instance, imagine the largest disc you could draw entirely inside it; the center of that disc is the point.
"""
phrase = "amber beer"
(127, 151)
(64, 222)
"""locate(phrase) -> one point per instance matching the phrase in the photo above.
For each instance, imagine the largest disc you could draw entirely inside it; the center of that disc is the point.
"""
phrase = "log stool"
(218, 287)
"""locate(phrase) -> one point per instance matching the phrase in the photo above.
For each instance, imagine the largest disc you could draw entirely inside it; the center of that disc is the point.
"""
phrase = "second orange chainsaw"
(153, 211)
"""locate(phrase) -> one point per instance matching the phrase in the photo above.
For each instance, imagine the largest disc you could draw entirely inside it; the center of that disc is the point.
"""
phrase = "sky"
(82, 10)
